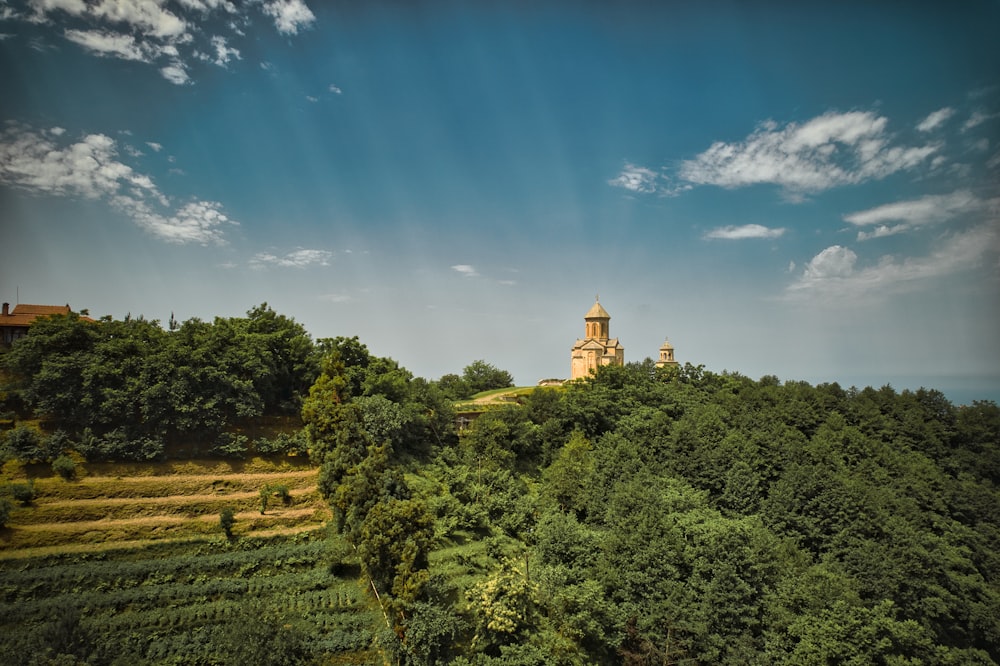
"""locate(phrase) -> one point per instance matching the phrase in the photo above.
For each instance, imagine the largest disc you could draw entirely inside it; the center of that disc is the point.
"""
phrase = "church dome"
(597, 312)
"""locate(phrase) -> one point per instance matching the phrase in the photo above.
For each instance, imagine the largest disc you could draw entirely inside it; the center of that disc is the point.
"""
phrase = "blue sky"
(799, 189)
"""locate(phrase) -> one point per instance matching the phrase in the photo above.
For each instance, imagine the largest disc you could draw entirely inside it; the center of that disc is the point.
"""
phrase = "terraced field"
(168, 501)
(129, 564)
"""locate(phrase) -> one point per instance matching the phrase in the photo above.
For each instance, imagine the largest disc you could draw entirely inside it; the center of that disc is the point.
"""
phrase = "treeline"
(676, 516)
(129, 389)
(126, 389)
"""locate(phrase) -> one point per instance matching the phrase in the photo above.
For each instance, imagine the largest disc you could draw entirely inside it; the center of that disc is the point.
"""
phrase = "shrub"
(64, 467)
(227, 518)
(265, 496)
(23, 443)
(5, 508)
(23, 492)
(56, 444)
(231, 445)
(282, 443)
(281, 491)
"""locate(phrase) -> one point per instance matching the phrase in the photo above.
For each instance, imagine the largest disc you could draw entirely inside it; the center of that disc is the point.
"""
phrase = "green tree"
(395, 539)
(503, 606)
(568, 479)
(481, 376)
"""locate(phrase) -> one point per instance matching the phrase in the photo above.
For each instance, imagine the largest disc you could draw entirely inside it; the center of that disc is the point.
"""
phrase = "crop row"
(341, 594)
(312, 606)
(29, 582)
(169, 486)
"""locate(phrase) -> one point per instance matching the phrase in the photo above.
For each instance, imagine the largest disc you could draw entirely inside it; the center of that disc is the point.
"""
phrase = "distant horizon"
(958, 388)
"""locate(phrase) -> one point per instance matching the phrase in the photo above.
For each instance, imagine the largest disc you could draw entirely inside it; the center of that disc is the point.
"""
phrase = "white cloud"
(91, 168)
(195, 222)
(635, 179)
(88, 168)
(915, 213)
(465, 269)
(223, 52)
(882, 231)
(104, 43)
(156, 147)
(146, 16)
(833, 271)
(977, 119)
(312, 99)
(745, 231)
(335, 90)
(175, 73)
(300, 258)
(289, 15)
(833, 262)
(935, 119)
(154, 31)
(828, 151)
(41, 7)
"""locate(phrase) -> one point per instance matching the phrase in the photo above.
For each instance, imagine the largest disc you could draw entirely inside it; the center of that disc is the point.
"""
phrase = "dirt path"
(151, 521)
(164, 500)
(68, 549)
(231, 476)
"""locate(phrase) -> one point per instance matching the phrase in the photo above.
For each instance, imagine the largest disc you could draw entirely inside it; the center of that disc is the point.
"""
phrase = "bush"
(265, 496)
(56, 444)
(231, 445)
(64, 467)
(23, 492)
(119, 445)
(281, 491)
(23, 443)
(227, 518)
(5, 508)
(282, 443)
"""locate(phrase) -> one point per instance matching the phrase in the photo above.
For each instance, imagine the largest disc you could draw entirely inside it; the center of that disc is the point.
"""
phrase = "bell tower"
(598, 322)
(667, 356)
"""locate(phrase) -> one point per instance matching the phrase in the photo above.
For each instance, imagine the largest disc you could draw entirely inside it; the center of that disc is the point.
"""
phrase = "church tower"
(597, 347)
(667, 359)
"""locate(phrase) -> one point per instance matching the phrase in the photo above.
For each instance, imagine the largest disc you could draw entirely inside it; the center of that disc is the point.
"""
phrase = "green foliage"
(5, 509)
(281, 492)
(65, 467)
(684, 516)
(227, 519)
(268, 601)
(23, 492)
(265, 497)
(231, 445)
(481, 376)
(23, 443)
(122, 389)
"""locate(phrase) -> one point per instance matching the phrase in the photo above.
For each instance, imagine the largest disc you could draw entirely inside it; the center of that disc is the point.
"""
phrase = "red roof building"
(14, 324)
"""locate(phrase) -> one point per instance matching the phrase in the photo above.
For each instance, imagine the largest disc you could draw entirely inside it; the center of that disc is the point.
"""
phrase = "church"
(598, 348)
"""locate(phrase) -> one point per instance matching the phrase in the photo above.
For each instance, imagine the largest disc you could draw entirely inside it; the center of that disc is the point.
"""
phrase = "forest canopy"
(644, 515)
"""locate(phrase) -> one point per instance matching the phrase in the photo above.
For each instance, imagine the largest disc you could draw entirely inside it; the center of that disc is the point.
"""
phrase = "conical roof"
(597, 312)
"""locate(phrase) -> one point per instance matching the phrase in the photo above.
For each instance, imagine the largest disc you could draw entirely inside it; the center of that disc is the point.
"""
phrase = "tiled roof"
(40, 310)
(597, 312)
(24, 314)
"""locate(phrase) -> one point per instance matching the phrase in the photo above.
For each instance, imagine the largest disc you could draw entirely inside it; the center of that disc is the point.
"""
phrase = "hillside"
(113, 506)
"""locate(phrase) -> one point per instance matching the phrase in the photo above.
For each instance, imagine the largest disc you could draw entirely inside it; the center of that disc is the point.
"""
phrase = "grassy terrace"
(491, 399)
